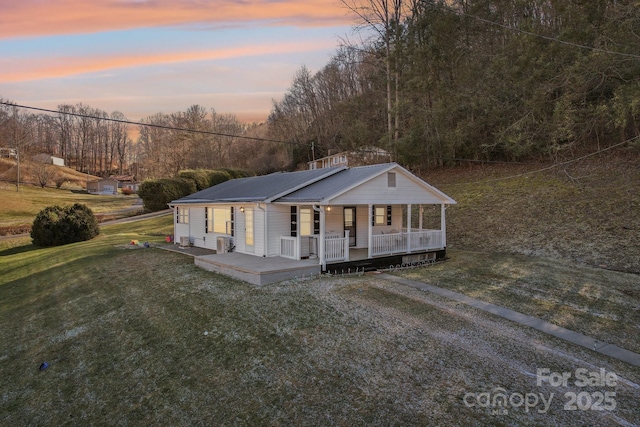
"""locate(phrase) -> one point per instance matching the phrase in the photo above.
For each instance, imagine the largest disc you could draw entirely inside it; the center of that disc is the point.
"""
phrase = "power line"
(529, 33)
(166, 127)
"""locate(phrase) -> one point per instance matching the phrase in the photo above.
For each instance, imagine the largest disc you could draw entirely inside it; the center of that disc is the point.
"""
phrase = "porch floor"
(258, 270)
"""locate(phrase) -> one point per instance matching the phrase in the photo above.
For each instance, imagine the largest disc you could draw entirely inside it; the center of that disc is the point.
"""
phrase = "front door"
(350, 224)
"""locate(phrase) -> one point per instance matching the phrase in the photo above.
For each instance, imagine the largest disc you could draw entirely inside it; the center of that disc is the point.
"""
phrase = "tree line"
(79, 134)
(95, 142)
(437, 81)
(431, 81)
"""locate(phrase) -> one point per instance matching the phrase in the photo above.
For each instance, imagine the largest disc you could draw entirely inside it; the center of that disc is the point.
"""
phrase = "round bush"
(55, 225)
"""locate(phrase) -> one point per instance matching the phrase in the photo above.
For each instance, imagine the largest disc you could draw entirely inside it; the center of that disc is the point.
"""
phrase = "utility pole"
(18, 180)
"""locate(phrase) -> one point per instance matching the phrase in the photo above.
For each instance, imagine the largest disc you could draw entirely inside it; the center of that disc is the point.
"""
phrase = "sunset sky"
(143, 57)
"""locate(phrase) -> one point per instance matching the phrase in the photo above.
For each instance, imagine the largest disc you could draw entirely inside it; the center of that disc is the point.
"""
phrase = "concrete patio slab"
(256, 270)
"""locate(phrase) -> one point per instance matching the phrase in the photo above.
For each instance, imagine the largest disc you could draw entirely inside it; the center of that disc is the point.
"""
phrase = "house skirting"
(398, 260)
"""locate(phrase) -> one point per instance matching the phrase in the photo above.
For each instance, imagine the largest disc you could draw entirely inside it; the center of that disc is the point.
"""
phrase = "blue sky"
(142, 57)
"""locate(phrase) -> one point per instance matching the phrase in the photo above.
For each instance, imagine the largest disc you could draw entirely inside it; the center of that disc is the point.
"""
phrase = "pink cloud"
(42, 68)
(30, 18)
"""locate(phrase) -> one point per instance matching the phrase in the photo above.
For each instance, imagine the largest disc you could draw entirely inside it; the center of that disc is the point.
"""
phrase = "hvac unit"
(223, 244)
(184, 241)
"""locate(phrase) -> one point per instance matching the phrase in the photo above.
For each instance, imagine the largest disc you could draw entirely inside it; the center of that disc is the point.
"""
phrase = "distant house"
(130, 186)
(360, 157)
(127, 182)
(337, 215)
(48, 159)
(107, 186)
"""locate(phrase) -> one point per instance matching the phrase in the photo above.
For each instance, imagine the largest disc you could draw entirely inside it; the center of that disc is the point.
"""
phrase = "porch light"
(328, 208)
(242, 209)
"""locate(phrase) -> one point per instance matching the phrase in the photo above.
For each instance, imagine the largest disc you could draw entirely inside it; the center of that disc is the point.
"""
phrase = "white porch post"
(409, 228)
(321, 255)
(421, 215)
(369, 216)
(443, 225)
(346, 245)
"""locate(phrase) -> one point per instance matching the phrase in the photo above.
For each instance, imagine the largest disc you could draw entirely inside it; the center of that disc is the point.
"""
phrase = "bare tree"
(44, 173)
(384, 17)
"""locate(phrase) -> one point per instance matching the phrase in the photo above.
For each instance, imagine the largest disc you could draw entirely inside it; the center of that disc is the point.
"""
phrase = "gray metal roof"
(310, 186)
(321, 190)
(258, 188)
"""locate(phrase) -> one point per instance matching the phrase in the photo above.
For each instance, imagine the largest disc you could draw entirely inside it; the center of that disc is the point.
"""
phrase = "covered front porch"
(338, 236)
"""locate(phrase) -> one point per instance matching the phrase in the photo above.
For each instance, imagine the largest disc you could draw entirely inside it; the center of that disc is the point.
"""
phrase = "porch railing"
(336, 248)
(289, 247)
(298, 247)
(395, 243)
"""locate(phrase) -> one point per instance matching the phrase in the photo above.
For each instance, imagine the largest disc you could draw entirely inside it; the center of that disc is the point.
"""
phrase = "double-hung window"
(183, 215)
(381, 215)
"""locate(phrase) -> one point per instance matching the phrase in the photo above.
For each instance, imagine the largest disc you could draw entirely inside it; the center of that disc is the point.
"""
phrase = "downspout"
(323, 263)
(265, 242)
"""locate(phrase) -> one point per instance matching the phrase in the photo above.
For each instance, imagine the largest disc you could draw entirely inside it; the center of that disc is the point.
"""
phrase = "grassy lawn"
(143, 337)
(585, 212)
(596, 302)
(20, 208)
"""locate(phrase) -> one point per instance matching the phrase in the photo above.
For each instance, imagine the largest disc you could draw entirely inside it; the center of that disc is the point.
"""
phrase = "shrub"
(236, 173)
(55, 225)
(217, 176)
(157, 193)
(199, 177)
(127, 191)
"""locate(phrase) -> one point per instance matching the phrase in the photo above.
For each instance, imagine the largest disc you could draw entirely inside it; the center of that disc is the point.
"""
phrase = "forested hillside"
(431, 81)
(473, 79)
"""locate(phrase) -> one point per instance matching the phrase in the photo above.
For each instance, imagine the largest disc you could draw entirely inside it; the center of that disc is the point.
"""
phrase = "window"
(305, 222)
(381, 215)
(218, 220)
(391, 179)
(183, 215)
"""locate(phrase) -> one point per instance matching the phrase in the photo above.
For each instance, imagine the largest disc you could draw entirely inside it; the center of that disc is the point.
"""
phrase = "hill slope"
(587, 211)
(29, 171)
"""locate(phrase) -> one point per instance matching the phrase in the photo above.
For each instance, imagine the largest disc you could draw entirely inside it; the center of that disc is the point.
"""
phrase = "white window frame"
(183, 215)
(381, 215)
(213, 220)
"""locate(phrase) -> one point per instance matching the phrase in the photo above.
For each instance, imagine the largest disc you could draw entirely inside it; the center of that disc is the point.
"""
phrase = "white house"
(360, 157)
(331, 215)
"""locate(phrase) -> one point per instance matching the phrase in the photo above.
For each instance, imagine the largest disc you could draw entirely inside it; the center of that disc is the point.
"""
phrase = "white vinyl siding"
(377, 192)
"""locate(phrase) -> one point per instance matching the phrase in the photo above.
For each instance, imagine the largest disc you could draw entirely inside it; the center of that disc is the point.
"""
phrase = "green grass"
(123, 331)
(20, 208)
(585, 212)
(123, 328)
(596, 302)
